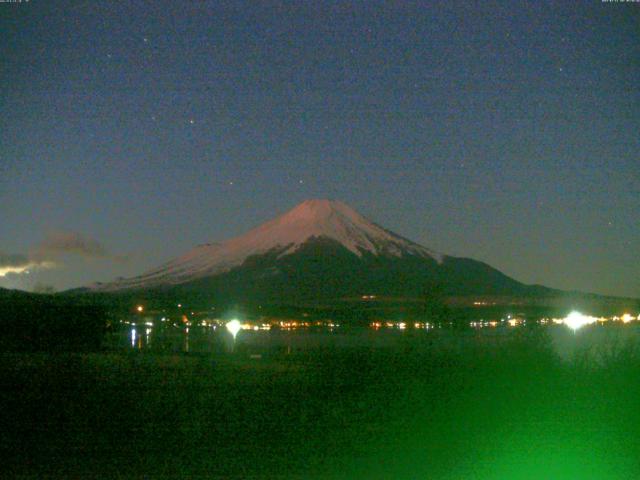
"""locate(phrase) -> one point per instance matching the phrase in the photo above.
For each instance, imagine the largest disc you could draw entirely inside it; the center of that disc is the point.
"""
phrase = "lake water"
(594, 340)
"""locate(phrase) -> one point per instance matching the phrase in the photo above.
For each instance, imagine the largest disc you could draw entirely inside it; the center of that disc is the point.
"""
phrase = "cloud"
(48, 252)
(13, 260)
(61, 243)
(17, 263)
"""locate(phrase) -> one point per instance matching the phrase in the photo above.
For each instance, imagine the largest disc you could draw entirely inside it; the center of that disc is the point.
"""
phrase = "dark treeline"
(37, 322)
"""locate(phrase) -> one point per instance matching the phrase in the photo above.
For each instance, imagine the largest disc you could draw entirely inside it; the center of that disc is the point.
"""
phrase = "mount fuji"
(320, 250)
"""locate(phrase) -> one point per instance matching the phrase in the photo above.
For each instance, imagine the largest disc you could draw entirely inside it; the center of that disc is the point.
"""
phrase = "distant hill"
(7, 293)
(41, 322)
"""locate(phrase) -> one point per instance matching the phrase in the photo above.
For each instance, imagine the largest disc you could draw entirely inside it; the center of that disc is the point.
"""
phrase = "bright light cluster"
(234, 327)
(485, 323)
(626, 318)
(576, 320)
(401, 325)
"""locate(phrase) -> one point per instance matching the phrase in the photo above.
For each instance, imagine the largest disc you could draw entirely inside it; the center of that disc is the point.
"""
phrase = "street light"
(234, 327)
(576, 320)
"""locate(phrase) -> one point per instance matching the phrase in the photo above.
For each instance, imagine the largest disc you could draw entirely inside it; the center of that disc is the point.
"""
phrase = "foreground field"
(513, 411)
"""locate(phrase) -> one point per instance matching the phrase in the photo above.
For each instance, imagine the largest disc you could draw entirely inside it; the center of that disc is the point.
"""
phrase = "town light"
(626, 318)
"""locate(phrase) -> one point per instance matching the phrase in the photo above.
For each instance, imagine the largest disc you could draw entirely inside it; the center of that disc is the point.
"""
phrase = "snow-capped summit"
(312, 219)
(329, 219)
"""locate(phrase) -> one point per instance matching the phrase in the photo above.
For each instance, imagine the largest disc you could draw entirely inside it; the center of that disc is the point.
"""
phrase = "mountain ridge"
(319, 251)
(288, 232)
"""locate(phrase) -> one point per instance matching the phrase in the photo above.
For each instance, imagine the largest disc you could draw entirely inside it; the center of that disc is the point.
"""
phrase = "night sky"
(507, 132)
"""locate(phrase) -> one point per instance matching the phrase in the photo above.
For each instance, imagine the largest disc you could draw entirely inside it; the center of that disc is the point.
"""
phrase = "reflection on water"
(567, 343)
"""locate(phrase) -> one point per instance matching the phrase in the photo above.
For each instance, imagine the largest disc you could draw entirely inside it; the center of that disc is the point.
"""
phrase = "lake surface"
(593, 340)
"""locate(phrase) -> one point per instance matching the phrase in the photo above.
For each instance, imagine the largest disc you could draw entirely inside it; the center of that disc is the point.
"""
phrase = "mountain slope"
(320, 250)
(322, 271)
(286, 234)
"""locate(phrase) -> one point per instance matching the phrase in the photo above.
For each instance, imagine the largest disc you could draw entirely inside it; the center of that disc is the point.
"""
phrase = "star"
(192, 121)
(145, 40)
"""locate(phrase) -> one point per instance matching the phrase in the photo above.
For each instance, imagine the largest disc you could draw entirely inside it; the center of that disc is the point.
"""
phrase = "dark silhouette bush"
(47, 323)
